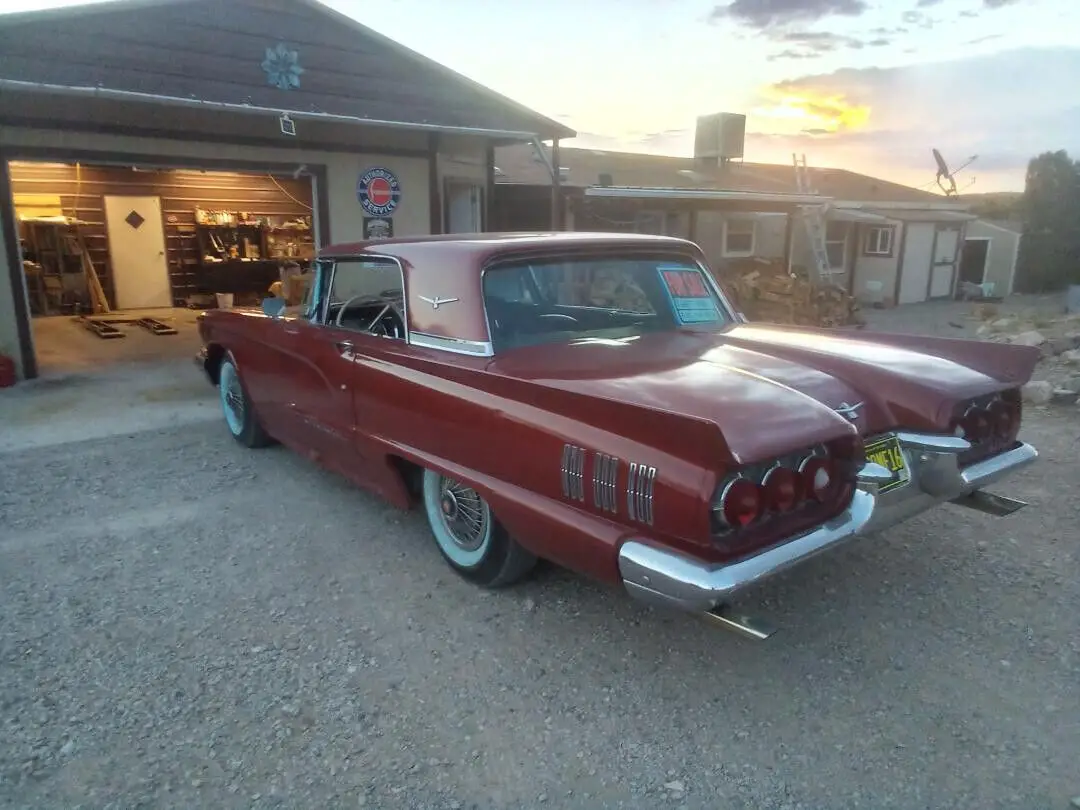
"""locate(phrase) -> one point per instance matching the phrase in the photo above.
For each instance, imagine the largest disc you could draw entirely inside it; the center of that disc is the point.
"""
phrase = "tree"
(1050, 250)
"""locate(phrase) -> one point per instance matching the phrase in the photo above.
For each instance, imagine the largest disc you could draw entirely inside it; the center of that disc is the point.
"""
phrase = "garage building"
(159, 157)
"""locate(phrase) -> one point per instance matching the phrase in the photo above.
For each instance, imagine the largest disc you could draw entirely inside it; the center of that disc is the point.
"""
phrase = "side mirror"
(273, 306)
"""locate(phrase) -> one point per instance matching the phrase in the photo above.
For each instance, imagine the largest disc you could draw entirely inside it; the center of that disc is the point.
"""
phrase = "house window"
(739, 237)
(879, 241)
(836, 236)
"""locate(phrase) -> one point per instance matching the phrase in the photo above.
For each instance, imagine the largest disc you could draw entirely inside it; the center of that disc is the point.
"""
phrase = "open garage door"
(118, 260)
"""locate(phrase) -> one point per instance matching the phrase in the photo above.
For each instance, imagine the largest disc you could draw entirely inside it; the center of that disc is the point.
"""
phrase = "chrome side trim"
(605, 481)
(573, 472)
(669, 578)
(473, 348)
(639, 492)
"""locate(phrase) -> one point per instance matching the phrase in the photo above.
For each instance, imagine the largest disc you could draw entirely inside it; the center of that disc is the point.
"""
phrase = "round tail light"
(740, 503)
(977, 424)
(820, 477)
(783, 489)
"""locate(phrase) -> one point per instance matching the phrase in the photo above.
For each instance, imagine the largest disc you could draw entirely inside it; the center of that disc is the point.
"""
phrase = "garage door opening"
(119, 260)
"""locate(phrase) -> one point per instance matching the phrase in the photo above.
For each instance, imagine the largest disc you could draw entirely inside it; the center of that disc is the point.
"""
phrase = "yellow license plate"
(886, 452)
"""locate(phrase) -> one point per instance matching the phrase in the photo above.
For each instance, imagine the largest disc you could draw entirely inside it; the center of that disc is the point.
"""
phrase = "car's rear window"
(537, 301)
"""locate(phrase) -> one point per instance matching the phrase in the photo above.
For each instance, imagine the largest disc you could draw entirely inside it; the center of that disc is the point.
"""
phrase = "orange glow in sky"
(794, 113)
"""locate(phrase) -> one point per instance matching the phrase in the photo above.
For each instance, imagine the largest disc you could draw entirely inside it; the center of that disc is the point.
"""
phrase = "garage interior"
(119, 259)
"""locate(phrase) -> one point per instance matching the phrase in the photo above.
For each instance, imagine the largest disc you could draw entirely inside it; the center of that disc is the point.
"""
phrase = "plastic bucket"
(224, 300)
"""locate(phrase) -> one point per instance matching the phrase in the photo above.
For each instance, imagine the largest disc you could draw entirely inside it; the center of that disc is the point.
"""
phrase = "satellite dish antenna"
(946, 174)
(943, 173)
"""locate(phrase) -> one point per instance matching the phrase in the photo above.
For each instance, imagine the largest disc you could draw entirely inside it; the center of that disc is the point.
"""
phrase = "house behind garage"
(160, 155)
(885, 243)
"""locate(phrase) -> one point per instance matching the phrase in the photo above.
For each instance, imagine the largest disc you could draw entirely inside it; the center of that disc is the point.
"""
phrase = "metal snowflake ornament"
(282, 67)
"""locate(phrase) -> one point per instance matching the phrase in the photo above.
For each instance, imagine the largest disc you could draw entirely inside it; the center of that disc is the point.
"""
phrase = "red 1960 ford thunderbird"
(595, 400)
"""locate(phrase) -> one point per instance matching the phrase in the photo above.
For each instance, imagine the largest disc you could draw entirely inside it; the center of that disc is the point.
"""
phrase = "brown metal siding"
(82, 191)
(213, 50)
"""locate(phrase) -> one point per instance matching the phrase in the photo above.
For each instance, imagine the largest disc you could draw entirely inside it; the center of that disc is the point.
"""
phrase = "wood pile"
(765, 291)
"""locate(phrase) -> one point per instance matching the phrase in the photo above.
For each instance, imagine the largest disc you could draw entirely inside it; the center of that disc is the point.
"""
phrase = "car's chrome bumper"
(664, 577)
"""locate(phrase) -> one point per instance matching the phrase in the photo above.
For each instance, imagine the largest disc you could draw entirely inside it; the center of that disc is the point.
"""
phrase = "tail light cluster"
(810, 485)
(991, 424)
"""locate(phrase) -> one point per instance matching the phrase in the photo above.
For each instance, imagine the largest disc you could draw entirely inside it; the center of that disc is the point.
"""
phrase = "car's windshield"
(557, 300)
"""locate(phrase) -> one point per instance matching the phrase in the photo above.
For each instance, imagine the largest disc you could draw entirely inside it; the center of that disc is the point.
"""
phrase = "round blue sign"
(378, 192)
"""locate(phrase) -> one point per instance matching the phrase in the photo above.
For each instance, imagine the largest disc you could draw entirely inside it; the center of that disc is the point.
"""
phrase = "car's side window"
(367, 295)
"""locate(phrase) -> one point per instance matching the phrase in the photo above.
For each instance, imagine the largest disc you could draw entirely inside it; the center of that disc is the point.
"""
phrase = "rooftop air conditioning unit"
(720, 137)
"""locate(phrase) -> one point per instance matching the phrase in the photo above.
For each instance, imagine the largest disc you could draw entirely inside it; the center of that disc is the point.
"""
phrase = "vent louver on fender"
(605, 482)
(573, 472)
(639, 492)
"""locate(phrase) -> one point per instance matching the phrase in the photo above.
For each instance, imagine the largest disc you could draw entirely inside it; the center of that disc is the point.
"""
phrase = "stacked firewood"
(765, 291)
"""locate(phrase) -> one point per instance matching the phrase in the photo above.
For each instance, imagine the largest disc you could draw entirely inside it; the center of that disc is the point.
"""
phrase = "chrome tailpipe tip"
(990, 504)
(746, 626)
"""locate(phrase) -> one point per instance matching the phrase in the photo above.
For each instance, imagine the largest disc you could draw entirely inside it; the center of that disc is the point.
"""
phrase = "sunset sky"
(868, 85)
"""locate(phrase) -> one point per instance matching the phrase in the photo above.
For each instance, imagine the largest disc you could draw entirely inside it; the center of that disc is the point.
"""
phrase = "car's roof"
(482, 246)
(448, 268)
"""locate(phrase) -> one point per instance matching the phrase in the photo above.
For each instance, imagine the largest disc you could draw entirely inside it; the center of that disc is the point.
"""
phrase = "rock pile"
(1057, 376)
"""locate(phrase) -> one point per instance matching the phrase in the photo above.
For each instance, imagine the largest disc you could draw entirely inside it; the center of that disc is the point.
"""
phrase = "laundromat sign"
(378, 191)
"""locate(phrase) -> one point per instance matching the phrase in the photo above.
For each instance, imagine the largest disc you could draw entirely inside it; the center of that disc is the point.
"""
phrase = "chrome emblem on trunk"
(849, 412)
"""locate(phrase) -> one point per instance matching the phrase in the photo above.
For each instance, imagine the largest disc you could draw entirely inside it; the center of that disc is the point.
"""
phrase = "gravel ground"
(186, 623)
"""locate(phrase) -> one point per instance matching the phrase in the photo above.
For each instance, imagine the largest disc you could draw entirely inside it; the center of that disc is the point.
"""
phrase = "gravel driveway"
(186, 623)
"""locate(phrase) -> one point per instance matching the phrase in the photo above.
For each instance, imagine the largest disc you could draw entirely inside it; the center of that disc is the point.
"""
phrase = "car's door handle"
(344, 346)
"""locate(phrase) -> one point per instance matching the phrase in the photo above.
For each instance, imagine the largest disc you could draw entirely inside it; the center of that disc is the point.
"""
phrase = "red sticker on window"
(685, 283)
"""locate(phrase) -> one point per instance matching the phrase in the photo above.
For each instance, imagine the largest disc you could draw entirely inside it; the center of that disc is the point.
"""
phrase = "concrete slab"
(116, 400)
(66, 346)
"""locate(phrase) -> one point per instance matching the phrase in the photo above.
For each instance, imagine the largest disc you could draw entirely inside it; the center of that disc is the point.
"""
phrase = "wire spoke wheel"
(470, 536)
(465, 515)
(233, 401)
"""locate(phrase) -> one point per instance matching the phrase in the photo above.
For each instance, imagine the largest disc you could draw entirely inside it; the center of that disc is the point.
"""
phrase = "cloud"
(765, 14)
(993, 4)
(886, 120)
(791, 53)
(980, 40)
(927, 3)
(969, 13)
(812, 44)
(918, 18)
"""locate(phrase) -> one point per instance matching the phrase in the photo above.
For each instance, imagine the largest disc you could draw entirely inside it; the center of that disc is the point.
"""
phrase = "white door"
(463, 206)
(140, 270)
(941, 281)
(918, 255)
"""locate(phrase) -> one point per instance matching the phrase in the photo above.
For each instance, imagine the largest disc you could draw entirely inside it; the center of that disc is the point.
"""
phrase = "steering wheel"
(388, 323)
(345, 306)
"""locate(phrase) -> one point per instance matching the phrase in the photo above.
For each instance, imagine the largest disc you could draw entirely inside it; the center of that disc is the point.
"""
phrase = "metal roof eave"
(643, 193)
(18, 85)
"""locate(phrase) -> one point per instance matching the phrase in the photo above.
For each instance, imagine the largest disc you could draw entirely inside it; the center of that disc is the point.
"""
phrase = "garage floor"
(65, 346)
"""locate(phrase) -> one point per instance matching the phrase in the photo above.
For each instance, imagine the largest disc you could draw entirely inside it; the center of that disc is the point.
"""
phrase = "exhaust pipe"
(990, 504)
(746, 626)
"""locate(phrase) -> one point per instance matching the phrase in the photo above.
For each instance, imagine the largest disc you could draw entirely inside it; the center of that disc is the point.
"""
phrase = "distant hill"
(1005, 205)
